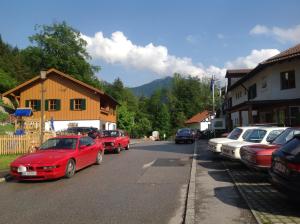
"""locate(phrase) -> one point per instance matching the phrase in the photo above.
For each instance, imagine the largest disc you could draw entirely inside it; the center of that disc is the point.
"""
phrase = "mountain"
(148, 89)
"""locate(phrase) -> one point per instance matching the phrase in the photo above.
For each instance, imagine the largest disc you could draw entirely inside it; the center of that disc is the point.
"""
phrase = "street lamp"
(43, 77)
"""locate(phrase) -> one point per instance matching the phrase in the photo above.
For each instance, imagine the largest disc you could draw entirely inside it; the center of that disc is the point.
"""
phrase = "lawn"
(5, 161)
(6, 128)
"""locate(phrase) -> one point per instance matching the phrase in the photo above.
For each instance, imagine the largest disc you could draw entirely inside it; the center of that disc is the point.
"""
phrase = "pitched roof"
(198, 117)
(51, 71)
(236, 73)
(288, 54)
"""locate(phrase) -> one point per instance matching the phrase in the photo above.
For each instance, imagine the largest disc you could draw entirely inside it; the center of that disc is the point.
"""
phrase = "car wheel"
(118, 150)
(99, 157)
(176, 142)
(127, 147)
(70, 168)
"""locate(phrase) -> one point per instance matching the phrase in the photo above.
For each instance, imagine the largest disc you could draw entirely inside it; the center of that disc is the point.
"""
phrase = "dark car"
(285, 168)
(184, 135)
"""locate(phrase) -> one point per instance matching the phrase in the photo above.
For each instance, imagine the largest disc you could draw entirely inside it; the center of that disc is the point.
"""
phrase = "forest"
(60, 46)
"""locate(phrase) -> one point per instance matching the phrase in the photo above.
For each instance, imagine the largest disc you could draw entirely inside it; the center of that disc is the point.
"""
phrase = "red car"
(115, 140)
(58, 157)
(259, 156)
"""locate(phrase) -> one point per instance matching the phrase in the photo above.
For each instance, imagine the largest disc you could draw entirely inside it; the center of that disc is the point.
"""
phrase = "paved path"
(146, 184)
(217, 200)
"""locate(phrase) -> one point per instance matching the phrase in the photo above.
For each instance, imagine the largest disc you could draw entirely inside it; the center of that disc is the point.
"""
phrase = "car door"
(85, 151)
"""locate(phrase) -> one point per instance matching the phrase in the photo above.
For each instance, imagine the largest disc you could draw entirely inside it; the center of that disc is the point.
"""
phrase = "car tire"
(118, 150)
(99, 158)
(176, 142)
(127, 147)
(70, 168)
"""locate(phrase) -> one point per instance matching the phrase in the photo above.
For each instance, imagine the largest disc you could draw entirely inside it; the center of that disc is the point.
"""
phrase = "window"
(235, 134)
(294, 116)
(287, 79)
(34, 104)
(77, 104)
(86, 141)
(264, 83)
(252, 92)
(273, 135)
(256, 136)
(52, 104)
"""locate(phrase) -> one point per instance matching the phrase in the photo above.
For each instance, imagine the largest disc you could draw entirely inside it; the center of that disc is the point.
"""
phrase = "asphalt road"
(146, 184)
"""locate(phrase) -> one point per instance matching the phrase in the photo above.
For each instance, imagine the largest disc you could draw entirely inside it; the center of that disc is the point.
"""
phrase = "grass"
(6, 128)
(5, 160)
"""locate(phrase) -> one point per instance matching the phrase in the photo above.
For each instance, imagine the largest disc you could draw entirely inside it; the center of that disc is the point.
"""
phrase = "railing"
(20, 144)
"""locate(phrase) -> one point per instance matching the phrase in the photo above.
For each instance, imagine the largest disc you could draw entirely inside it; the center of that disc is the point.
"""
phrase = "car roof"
(68, 136)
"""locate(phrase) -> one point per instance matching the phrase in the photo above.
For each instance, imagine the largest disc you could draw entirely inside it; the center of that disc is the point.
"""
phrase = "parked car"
(58, 157)
(263, 135)
(285, 168)
(237, 134)
(115, 140)
(184, 135)
(259, 156)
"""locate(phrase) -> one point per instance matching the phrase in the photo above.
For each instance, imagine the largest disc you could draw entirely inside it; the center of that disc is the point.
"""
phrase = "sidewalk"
(215, 198)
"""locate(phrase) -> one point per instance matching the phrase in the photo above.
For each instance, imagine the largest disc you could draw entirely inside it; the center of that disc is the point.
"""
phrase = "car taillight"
(294, 167)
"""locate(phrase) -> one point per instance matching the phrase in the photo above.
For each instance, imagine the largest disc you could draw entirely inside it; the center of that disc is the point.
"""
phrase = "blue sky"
(140, 41)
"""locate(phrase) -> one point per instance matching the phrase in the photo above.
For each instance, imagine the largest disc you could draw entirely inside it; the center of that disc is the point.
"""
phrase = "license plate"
(280, 168)
(31, 173)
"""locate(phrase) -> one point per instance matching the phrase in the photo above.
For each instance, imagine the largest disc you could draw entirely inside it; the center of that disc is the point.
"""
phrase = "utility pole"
(43, 77)
(213, 94)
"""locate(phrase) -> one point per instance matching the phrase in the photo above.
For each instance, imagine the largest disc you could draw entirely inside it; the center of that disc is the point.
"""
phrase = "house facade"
(199, 121)
(67, 102)
(269, 93)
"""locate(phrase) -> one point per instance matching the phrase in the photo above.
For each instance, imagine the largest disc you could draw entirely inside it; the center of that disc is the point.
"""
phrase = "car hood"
(43, 157)
(220, 140)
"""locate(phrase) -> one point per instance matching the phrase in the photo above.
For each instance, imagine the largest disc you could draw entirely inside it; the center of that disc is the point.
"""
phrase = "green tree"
(125, 118)
(60, 46)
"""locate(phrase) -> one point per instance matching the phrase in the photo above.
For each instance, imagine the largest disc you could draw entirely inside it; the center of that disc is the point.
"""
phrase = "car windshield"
(59, 143)
(235, 134)
(285, 136)
(256, 135)
(183, 131)
(110, 133)
(292, 147)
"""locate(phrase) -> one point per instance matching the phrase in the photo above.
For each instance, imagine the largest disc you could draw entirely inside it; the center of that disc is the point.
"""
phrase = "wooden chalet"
(67, 102)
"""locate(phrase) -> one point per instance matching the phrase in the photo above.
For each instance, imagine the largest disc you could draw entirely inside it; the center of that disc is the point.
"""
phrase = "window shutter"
(83, 104)
(26, 103)
(46, 105)
(57, 105)
(72, 104)
(38, 105)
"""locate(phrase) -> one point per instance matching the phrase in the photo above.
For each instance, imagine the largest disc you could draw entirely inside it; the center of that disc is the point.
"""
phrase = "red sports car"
(58, 157)
(259, 156)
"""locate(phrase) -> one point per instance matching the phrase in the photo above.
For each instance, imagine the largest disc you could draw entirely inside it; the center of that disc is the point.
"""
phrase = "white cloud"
(119, 49)
(251, 60)
(283, 35)
(259, 29)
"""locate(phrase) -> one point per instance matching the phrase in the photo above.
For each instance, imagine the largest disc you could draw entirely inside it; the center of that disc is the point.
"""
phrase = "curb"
(243, 196)
(189, 216)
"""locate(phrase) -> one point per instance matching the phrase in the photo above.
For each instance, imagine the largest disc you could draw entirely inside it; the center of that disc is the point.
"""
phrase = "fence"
(20, 144)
